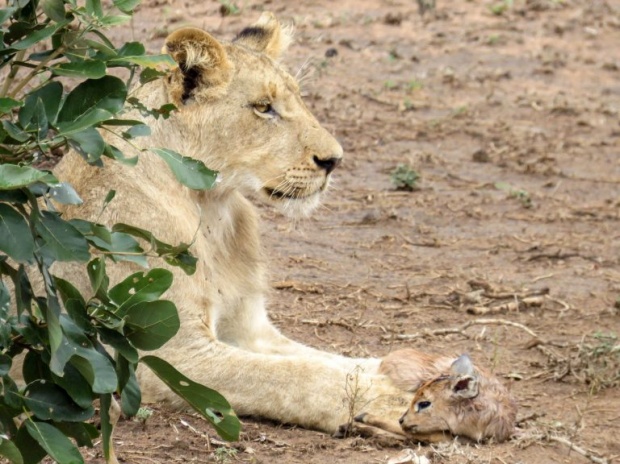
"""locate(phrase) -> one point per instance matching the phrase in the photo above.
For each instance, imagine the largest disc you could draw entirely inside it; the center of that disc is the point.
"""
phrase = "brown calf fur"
(452, 398)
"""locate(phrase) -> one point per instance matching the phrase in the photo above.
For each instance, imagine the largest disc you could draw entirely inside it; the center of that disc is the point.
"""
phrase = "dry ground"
(509, 113)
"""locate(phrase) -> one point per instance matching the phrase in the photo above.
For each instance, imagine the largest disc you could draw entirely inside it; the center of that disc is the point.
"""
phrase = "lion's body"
(241, 114)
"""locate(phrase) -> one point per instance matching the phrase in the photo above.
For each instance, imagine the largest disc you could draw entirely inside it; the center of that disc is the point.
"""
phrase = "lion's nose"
(402, 419)
(328, 164)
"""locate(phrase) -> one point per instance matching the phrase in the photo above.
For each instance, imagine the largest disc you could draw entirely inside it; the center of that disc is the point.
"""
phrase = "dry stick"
(585, 453)
(461, 330)
(508, 307)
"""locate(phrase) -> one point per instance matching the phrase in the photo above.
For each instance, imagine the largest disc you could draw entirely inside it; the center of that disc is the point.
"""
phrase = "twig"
(461, 330)
(585, 453)
(510, 306)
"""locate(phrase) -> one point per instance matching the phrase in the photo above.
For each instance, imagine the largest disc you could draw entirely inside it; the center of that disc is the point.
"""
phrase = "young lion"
(241, 114)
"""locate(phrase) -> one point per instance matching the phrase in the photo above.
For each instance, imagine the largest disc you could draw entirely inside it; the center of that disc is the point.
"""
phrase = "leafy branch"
(79, 345)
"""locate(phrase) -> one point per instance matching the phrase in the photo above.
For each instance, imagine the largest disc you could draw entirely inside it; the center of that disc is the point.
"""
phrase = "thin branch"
(461, 329)
(585, 453)
(14, 69)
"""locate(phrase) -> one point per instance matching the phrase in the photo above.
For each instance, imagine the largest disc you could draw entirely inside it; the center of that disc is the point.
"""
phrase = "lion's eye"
(422, 405)
(264, 109)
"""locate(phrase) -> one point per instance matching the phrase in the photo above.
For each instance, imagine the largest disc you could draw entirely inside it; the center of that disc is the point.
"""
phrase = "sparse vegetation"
(143, 415)
(404, 177)
(519, 194)
(499, 8)
(229, 8)
(390, 85)
(597, 363)
(224, 454)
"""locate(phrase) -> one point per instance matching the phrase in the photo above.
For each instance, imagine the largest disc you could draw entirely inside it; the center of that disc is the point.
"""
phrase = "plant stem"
(36, 71)
(19, 56)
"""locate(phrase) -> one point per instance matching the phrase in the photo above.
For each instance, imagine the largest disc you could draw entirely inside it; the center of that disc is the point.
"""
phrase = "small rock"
(331, 52)
(481, 156)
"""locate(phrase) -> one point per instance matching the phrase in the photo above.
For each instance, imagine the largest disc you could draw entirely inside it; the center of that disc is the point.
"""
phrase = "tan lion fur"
(240, 113)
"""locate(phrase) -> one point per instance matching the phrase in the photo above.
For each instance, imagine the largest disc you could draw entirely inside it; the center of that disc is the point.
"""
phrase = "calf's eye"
(420, 405)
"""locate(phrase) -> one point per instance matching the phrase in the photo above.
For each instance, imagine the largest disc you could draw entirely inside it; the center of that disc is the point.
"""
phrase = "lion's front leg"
(252, 330)
(308, 391)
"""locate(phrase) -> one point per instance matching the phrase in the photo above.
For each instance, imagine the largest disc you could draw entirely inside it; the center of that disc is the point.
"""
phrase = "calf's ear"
(463, 366)
(464, 387)
(203, 67)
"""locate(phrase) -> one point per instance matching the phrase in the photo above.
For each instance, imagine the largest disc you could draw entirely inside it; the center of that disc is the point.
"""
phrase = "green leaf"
(76, 386)
(190, 172)
(147, 61)
(209, 403)
(174, 255)
(105, 52)
(107, 93)
(85, 123)
(36, 366)
(88, 143)
(140, 288)
(14, 131)
(149, 74)
(123, 122)
(74, 303)
(60, 240)
(93, 8)
(90, 69)
(83, 433)
(5, 364)
(129, 388)
(123, 248)
(38, 36)
(48, 401)
(12, 176)
(126, 6)
(141, 130)
(94, 366)
(51, 307)
(28, 446)
(131, 49)
(114, 153)
(54, 9)
(64, 193)
(52, 440)
(5, 302)
(51, 95)
(10, 451)
(114, 20)
(32, 116)
(119, 342)
(6, 13)
(11, 395)
(7, 104)
(97, 274)
(149, 325)
(15, 236)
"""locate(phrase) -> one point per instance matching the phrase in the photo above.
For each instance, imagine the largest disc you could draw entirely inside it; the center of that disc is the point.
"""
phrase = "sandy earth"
(509, 114)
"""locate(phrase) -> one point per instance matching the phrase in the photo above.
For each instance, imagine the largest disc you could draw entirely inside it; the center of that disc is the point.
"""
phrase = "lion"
(241, 113)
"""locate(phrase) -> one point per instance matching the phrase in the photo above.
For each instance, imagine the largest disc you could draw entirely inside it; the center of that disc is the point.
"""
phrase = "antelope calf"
(452, 397)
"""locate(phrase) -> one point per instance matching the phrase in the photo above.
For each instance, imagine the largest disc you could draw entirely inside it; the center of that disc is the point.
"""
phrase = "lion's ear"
(202, 63)
(267, 36)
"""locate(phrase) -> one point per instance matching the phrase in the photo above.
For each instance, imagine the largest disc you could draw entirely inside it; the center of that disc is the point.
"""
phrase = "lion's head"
(242, 114)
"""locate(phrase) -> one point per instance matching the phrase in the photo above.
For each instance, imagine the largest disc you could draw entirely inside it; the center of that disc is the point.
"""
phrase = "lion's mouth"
(293, 194)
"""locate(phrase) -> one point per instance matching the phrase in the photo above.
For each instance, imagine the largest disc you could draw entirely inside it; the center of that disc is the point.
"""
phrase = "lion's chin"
(295, 204)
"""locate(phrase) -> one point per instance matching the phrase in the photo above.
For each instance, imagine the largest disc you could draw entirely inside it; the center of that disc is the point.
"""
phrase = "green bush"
(56, 94)
(404, 177)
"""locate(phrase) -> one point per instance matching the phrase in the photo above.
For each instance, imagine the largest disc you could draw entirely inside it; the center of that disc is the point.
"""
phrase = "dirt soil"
(508, 247)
